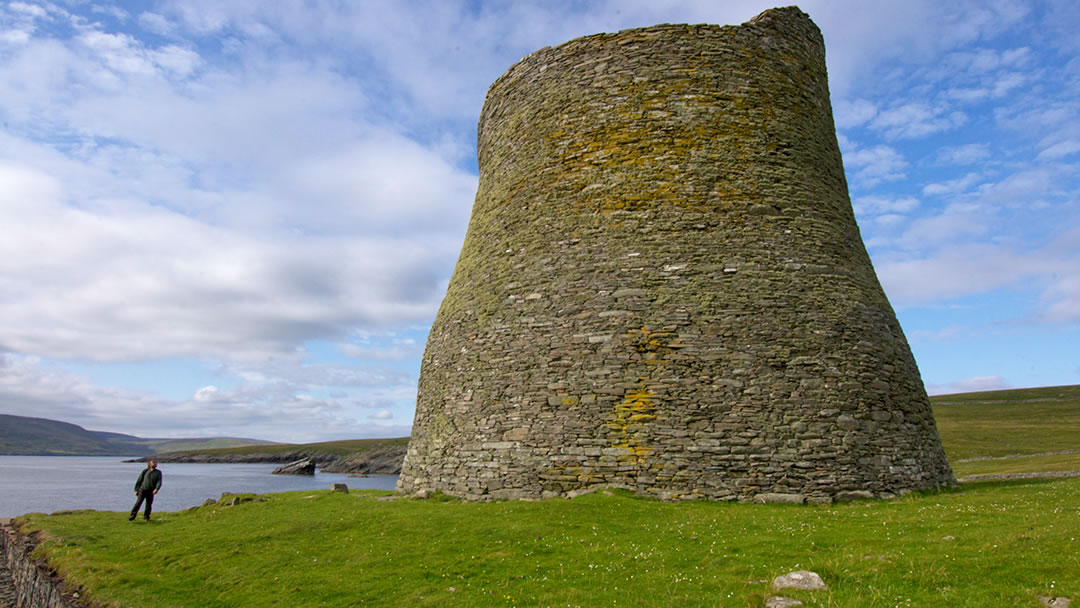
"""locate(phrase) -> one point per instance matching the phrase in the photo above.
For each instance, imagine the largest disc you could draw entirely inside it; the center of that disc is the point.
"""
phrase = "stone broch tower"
(663, 287)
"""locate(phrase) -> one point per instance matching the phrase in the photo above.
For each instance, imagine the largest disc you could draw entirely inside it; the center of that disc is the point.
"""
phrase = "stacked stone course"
(663, 287)
(29, 583)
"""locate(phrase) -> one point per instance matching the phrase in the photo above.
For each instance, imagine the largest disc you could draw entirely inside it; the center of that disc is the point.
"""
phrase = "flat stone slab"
(773, 497)
(779, 601)
(800, 579)
(299, 467)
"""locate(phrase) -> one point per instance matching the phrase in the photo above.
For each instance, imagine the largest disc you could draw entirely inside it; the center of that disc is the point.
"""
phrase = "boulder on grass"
(801, 579)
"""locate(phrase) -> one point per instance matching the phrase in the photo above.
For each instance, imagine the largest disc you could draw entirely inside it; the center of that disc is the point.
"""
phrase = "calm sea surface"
(54, 483)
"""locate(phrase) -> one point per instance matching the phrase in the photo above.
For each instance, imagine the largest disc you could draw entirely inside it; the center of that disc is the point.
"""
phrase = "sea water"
(58, 483)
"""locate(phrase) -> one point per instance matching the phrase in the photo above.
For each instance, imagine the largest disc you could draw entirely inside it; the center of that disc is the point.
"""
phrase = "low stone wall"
(32, 585)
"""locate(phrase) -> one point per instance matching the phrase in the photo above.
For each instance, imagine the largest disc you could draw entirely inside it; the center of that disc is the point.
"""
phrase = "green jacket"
(149, 479)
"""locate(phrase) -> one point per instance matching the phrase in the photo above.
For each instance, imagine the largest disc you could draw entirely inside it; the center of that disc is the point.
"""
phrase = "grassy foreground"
(1003, 543)
(994, 544)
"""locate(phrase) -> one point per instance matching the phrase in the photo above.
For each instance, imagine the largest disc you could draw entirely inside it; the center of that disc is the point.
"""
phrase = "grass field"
(999, 543)
(1001, 423)
(1018, 464)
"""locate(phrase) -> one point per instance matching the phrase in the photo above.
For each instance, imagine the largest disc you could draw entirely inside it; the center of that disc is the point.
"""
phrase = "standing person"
(146, 486)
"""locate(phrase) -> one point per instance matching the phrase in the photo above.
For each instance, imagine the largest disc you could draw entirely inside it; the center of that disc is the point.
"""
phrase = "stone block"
(781, 498)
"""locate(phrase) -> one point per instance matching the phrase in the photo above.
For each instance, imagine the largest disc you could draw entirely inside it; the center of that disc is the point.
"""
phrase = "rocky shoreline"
(380, 460)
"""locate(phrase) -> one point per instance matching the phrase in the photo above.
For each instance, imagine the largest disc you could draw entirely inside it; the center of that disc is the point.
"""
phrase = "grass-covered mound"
(996, 543)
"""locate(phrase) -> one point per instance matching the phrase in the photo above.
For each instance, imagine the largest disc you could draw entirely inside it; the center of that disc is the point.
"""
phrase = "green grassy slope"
(201, 443)
(1001, 423)
(607, 549)
(41, 436)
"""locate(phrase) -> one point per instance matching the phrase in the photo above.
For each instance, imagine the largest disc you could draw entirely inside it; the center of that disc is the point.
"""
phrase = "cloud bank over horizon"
(230, 218)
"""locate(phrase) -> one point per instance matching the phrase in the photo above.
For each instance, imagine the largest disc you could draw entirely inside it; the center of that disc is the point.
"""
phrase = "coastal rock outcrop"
(300, 467)
(383, 459)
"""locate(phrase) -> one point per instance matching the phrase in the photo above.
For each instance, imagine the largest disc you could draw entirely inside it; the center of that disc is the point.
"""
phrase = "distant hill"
(21, 435)
(351, 456)
(1009, 422)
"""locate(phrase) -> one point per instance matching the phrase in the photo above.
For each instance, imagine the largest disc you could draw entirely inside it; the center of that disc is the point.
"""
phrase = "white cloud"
(178, 60)
(874, 165)
(916, 119)
(952, 186)
(146, 282)
(1050, 120)
(1051, 273)
(32, 10)
(1018, 57)
(953, 272)
(1007, 82)
(1063, 299)
(876, 204)
(30, 388)
(399, 351)
(890, 220)
(1022, 188)
(968, 94)
(1060, 150)
(967, 154)
(304, 376)
(156, 23)
(119, 53)
(197, 216)
(969, 385)
(853, 113)
(381, 415)
(372, 186)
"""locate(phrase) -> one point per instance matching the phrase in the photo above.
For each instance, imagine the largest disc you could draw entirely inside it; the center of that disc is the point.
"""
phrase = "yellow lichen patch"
(589, 478)
(652, 346)
(636, 409)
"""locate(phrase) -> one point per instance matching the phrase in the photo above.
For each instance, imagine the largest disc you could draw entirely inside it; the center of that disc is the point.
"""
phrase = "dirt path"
(1006, 476)
(1011, 456)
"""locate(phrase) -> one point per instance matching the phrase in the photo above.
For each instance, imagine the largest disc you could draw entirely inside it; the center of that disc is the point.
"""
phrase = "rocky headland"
(380, 459)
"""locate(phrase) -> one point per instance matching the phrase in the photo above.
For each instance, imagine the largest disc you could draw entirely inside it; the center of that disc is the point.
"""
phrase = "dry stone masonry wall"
(26, 583)
(663, 286)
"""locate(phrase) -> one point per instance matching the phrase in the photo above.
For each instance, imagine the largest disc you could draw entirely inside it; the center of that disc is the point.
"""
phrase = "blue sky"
(224, 217)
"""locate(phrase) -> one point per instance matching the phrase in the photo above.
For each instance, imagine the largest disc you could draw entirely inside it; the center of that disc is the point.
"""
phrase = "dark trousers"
(148, 496)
